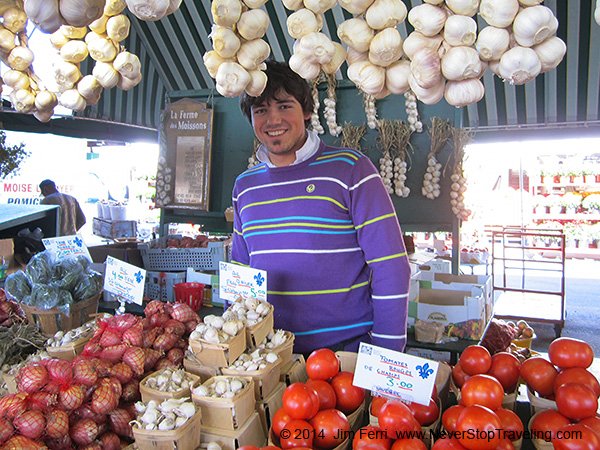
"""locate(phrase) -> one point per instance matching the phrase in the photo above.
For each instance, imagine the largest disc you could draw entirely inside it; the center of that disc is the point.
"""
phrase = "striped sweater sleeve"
(239, 249)
(380, 238)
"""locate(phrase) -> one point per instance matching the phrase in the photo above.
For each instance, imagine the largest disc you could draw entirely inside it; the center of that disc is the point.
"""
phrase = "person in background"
(319, 220)
(71, 215)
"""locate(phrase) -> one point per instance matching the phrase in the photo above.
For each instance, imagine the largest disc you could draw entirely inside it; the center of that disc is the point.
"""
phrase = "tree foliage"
(10, 157)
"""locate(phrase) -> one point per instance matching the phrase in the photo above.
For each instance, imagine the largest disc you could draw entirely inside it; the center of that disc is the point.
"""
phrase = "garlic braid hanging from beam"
(412, 113)
(387, 145)
(439, 132)
(460, 138)
(330, 103)
(253, 160)
(314, 116)
(402, 136)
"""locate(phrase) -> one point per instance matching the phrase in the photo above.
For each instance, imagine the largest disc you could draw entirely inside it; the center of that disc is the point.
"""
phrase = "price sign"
(395, 374)
(124, 280)
(239, 281)
(66, 246)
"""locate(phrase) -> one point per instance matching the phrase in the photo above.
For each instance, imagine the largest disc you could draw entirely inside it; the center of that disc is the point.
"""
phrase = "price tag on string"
(66, 246)
(124, 280)
(395, 374)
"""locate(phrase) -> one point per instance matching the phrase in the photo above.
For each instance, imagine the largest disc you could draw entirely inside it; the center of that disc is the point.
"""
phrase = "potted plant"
(575, 233)
(575, 176)
(594, 235)
(591, 203)
(571, 201)
(555, 204)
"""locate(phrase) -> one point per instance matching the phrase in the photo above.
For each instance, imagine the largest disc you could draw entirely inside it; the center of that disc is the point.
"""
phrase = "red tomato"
(576, 437)
(446, 443)
(577, 375)
(348, 397)
(376, 405)
(475, 359)
(576, 401)
(512, 427)
(373, 437)
(425, 415)
(331, 428)
(482, 390)
(539, 375)
(545, 424)
(322, 364)
(409, 444)
(478, 428)
(459, 376)
(279, 420)
(567, 352)
(300, 401)
(297, 433)
(450, 416)
(325, 393)
(593, 423)
(506, 369)
(396, 419)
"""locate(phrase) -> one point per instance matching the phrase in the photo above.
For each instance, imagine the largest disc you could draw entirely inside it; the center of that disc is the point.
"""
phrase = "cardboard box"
(251, 433)
(437, 265)
(267, 409)
(432, 280)
(114, 228)
(159, 285)
(461, 311)
(127, 252)
(192, 365)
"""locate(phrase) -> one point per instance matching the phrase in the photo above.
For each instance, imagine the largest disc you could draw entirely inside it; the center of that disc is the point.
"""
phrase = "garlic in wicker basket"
(61, 338)
(250, 311)
(217, 329)
(274, 339)
(167, 415)
(259, 359)
(169, 380)
(221, 387)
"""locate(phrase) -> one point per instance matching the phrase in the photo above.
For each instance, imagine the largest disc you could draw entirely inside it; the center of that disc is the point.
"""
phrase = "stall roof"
(171, 53)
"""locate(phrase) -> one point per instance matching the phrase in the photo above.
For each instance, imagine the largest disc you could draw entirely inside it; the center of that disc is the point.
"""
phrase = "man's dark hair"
(280, 78)
(47, 183)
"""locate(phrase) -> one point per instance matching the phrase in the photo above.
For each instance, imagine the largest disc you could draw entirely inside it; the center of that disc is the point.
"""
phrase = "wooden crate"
(114, 228)
(154, 394)
(268, 408)
(184, 437)
(219, 355)
(192, 365)
(265, 380)
(257, 333)
(294, 371)
(251, 433)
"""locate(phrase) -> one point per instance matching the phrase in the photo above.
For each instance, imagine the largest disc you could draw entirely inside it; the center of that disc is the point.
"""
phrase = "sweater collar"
(310, 147)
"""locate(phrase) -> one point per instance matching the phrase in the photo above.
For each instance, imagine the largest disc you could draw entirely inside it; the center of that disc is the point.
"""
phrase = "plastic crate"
(176, 259)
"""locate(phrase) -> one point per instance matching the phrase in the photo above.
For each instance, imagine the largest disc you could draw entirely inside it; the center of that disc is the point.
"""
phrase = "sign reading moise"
(183, 176)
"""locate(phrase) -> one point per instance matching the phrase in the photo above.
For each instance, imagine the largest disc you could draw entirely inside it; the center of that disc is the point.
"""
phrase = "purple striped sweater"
(326, 232)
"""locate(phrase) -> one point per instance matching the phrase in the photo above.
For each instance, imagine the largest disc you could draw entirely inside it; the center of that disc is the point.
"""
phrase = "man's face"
(279, 125)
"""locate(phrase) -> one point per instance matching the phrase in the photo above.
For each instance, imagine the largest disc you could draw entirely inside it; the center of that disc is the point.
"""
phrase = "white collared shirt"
(309, 148)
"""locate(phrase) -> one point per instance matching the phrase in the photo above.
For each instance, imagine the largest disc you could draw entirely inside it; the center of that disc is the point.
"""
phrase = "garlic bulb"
(356, 33)
(253, 24)
(99, 25)
(464, 92)
(225, 41)
(66, 74)
(339, 56)
(494, 66)
(534, 25)
(319, 6)
(463, 7)
(426, 68)
(530, 2)
(460, 30)
(254, 3)
(72, 99)
(7, 40)
(231, 79)
(491, 43)
(519, 65)
(74, 51)
(386, 47)
(114, 7)
(43, 115)
(416, 41)
(302, 22)
(174, 6)
(73, 32)
(16, 79)
(106, 74)
(20, 58)
(367, 77)
(80, 13)
(434, 2)
(128, 65)
(396, 77)
(499, 14)
(353, 56)
(45, 14)
(258, 82)
(226, 12)
(45, 100)
(293, 5)
(89, 88)
(102, 49)
(355, 7)
(303, 66)
(125, 84)
(117, 27)
(14, 19)
(429, 96)
(385, 13)
(550, 52)
(252, 53)
(212, 61)
(317, 47)
(92, 36)
(22, 100)
(148, 10)
(460, 63)
(427, 19)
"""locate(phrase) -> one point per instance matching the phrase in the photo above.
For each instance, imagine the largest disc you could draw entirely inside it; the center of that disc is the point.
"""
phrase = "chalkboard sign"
(184, 163)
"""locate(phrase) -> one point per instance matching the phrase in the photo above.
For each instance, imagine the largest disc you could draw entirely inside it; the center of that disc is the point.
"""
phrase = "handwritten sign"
(395, 374)
(66, 246)
(239, 281)
(124, 280)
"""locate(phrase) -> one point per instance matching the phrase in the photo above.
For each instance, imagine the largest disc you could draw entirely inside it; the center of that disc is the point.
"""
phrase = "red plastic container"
(191, 293)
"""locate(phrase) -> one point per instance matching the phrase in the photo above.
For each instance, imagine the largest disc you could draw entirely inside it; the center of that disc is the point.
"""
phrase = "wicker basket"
(70, 350)
(184, 437)
(285, 350)
(154, 394)
(52, 320)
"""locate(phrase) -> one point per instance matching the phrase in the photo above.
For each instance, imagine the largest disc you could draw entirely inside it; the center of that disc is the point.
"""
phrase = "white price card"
(124, 280)
(65, 246)
(239, 281)
(395, 374)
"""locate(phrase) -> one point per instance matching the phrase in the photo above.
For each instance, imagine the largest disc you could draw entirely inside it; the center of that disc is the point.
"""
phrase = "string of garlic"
(410, 101)
(314, 116)
(431, 179)
(329, 112)
(402, 138)
(370, 110)
(385, 170)
(457, 191)
(253, 160)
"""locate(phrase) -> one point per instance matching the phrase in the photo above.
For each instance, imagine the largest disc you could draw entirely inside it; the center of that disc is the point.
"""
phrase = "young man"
(71, 215)
(320, 222)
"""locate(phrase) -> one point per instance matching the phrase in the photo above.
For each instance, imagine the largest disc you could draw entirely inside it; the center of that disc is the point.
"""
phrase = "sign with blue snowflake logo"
(124, 280)
(395, 374)
(239, 281)
(66, 246)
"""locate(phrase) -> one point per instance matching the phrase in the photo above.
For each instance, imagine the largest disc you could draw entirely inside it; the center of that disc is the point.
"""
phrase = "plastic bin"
(191, 293)
(176, 259)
